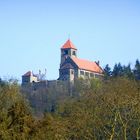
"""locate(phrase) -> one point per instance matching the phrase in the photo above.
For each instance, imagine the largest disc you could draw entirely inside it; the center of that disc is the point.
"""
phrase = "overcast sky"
(32, 32)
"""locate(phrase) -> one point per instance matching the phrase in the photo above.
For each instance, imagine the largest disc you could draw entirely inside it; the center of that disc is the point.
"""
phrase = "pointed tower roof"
(68, 45)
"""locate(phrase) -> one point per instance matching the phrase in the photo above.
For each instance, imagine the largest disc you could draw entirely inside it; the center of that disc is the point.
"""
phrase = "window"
(91, 74)
(64, 72)
(66, 52)
(73, 53)
(81, 72)
(72, 72)
(25, 79)
(86, 73)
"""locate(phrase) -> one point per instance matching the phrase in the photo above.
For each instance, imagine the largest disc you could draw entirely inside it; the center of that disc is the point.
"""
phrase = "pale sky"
(32, 32)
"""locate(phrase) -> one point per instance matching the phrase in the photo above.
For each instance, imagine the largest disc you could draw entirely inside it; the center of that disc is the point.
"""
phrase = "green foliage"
(137, 70)
(108, 110)
(51, 127)
(123, 71)
(118, 70)
(127, 72)
(15, 117)
(113, 113)
(107, 72)
(95, 85)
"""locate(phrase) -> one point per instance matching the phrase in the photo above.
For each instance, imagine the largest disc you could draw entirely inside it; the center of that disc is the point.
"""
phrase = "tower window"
(74, 53)
(66, 52)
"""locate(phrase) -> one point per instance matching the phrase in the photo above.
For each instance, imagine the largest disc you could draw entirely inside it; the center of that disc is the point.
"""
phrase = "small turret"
(29, 77)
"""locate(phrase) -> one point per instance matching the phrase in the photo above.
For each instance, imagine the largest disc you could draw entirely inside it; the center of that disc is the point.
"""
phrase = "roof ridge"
(83, 59)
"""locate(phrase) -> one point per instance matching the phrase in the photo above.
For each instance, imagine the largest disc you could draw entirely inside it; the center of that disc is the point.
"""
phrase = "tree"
(137, 70)
(2, 82)
(16, 121)
(107, 72)
(117, 70)
(127, 72)
(51, 127)
(111, 113)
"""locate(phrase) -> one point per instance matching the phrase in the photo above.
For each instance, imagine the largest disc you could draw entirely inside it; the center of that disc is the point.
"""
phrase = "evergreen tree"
(117, 70)
(127, 72)
(2, 83)
(137, 70)
(107, 71)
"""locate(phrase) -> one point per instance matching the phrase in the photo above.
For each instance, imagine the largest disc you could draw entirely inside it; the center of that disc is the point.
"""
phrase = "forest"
(93, 109)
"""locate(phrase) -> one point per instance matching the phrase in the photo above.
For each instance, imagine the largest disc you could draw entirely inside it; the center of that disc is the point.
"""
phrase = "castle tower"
(68, 49)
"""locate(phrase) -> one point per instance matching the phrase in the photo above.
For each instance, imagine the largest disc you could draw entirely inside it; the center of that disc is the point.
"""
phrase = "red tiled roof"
(68, 45)
(29, 73)
(87, 65)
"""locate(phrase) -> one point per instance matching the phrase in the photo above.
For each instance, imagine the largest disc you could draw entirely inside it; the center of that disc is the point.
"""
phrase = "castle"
(71, 68)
